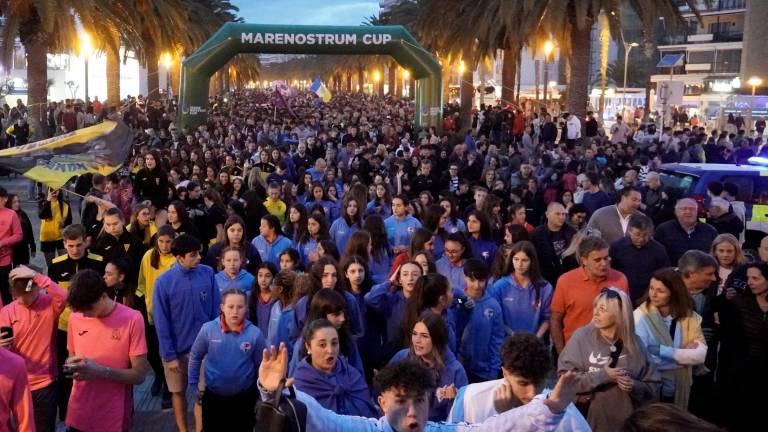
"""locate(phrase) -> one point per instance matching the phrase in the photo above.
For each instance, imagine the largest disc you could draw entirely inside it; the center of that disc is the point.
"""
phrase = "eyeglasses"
(452, 251)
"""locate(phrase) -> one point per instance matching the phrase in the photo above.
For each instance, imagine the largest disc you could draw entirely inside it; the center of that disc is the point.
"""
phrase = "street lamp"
(627, 48)
(167, 62)
(86, 47)
(552, 84)
(548, 48)
(754, 82)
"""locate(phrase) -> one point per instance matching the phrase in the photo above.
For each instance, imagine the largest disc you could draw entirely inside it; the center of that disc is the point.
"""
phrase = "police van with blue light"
(751, 181)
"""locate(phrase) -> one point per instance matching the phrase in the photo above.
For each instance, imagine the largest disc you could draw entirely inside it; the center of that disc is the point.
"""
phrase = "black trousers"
(5, 287)
(65, 384)
(44, 404)
(229, 413)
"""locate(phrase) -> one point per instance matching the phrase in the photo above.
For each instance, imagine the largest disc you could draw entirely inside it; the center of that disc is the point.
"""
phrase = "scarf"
(343, 391)
(690, 327)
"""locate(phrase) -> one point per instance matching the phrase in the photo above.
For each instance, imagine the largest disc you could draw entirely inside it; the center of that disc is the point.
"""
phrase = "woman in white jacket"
(671, 329)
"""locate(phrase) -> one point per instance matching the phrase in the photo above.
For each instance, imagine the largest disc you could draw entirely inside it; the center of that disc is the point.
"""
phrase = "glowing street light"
(548, 48)
(86, 48)
(167, 61)
(462, 67)
(405, 74)
(376, 76)
(754, 82)
(627, 48)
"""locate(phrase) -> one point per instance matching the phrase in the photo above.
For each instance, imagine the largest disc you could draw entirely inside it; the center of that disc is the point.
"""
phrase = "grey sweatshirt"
(587, 353)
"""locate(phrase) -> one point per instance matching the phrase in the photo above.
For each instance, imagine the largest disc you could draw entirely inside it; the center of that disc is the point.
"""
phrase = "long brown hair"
(163, 231)
(680, 301)
(438, 333)
(358, 245)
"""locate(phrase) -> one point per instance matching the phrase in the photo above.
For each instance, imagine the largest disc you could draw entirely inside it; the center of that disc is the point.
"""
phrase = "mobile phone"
(6, 332)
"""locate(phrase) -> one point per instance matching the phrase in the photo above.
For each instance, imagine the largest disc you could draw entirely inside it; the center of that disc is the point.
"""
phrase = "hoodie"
(587, 353)
(184, 300)
(481, 332)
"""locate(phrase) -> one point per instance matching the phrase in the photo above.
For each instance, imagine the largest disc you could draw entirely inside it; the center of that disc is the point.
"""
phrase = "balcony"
(698, 67)
(698, 38)
(728, 37)
(713, 6)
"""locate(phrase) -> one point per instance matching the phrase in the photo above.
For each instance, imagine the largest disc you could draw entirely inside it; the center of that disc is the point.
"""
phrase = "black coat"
(550, 262)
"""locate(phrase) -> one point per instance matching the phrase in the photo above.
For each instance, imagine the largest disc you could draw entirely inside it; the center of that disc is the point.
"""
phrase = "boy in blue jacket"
(480, 328)
(185, 298)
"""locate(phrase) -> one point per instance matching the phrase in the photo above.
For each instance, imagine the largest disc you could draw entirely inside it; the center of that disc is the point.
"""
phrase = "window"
(728, 61)
(746, 186)
(701, 56)
(681, 183)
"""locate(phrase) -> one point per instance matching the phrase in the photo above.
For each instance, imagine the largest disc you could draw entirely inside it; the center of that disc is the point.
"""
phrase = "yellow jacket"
(276, 208)
(148, 275)
(50, 229)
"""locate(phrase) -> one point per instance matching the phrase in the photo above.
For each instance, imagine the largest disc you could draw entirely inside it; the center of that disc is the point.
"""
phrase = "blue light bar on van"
(758, 160)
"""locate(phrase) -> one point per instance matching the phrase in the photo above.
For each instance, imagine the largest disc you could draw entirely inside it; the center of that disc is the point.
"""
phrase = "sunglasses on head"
(610, 293)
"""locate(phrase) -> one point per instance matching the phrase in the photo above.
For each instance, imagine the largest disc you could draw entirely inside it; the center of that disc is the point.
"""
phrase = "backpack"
(283, 414)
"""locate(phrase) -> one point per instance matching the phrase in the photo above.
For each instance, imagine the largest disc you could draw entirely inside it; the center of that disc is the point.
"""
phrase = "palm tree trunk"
(398, 82)
(349, 82)
(113, 77)
(392, 78)
(446, 82)
(412, 88)
(37, 81)
(360, 79)
(467, 92)
(175, 77)
(508, 74)
(578, 83)
(153, 79)
(605, 41)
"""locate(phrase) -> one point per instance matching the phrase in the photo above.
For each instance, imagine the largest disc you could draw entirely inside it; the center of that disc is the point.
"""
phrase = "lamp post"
(379, 88)
(548, 48)
(167, 62)
(405, 78)
(85, 51)
(627, 48)
(754, 82)
(552, 84)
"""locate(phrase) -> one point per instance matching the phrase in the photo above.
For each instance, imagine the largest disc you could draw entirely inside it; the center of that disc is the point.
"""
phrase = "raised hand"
(274, 365)
(22, 272)
(563, 394)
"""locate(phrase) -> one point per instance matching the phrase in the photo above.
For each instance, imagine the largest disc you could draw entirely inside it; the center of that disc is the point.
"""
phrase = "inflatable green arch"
(235, 38)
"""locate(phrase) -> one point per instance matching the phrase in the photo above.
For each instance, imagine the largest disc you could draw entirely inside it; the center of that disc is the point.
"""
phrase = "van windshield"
(682, 184)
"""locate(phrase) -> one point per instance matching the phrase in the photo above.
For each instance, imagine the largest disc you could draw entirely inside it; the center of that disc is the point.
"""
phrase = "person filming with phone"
(27, 328)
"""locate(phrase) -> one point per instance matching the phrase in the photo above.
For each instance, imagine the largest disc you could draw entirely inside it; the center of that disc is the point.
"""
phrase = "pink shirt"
(16, 412)
(10, 234)
(34, 328)
(110, 341)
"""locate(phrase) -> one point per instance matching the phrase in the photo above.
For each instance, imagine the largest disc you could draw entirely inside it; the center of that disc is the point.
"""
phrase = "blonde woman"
(727, 251)
(613, 371)
(667, 323)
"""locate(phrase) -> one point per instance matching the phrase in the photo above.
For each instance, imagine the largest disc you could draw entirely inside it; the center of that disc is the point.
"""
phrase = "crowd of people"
(420, 275)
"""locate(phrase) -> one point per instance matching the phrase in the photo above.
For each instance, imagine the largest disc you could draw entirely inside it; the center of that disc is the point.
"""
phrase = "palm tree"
(571, 21)
(44, 27)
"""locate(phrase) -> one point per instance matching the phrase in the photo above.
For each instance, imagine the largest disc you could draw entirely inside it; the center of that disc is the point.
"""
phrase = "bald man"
(685, 232)
(550, 240)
